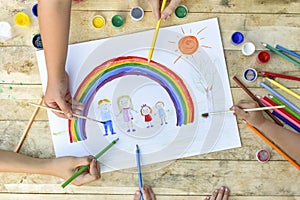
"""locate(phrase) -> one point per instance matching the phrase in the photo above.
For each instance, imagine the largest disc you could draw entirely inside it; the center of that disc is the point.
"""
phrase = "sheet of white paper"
(192, 53)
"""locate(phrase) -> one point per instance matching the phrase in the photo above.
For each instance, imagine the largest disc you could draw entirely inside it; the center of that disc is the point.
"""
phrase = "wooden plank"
(188, 177)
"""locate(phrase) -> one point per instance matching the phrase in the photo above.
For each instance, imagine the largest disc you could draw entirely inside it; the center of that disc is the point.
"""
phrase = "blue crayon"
(280, 97)
(286, 121)
(287, 51)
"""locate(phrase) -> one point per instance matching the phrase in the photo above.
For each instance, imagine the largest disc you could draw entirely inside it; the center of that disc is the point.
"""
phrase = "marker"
(181, 11)
(138, 163)
(137, 13)
(237, 38)
(76, 174)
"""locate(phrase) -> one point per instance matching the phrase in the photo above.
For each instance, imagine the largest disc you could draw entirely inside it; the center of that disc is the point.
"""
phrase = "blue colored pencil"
(138, 162)
(286, 121)
(287, 51)
(280, 97)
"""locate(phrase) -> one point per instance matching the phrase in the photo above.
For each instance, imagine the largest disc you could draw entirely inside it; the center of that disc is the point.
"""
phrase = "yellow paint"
(22, 19)
(98, 22)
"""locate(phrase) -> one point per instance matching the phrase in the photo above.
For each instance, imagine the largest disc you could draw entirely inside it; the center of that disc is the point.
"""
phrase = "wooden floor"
(271, 21)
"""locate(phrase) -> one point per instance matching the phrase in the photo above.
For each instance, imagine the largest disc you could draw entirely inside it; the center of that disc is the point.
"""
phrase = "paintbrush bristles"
(246, 110)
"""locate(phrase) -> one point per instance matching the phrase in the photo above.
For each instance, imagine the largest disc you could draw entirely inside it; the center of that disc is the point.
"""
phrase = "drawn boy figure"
(160, 106)
(126, 108)
(146, 112)
(105, 112)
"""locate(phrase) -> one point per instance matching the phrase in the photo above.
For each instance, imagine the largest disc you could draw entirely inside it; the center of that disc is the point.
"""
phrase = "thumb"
(66, 108)
(240, 112)
(137, 195)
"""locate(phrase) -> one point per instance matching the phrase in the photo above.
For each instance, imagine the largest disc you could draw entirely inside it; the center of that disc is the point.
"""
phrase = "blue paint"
(237, 38)
(137, 13)
(250, 74)
(34, 10)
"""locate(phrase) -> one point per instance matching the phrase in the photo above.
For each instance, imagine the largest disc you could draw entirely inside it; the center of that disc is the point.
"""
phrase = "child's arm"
(155, 5)
(287, 140)
(63, 167)
(54, 22)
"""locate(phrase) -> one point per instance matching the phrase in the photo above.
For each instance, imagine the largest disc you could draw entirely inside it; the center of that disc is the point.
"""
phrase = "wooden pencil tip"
(205, 115)
(264, 44)
(149, 60)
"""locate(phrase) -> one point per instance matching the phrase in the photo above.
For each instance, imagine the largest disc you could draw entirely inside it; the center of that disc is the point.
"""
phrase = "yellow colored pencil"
(294, 94)
(163, 5)
(274, 146)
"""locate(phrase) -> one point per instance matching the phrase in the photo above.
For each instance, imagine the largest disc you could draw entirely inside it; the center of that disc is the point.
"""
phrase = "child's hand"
(255, 118)
(59, 97)
(65, 167)
(148, 194)
(155, 5)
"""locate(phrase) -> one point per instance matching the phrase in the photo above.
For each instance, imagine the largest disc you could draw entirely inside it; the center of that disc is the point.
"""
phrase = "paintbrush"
(60, 111)
(163, 5)
(246, 110)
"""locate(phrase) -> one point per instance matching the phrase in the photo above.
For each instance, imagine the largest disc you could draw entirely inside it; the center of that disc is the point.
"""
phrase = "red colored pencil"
(279, 75)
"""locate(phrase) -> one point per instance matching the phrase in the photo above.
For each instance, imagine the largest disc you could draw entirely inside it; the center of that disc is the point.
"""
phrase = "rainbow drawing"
(125, 66)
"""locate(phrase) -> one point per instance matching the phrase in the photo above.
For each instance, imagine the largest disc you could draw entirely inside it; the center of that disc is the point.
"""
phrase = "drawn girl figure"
(125, 107)
(105, 113)
(146, 112)
(160, 106)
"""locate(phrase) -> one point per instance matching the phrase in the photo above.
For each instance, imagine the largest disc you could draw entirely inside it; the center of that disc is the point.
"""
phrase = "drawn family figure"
(106, 115)
(160, 106)
(146, 112)
(126, 108)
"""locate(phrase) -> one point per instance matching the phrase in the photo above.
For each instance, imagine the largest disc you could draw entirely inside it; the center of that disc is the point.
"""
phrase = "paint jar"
(34, 10)
(117, 21)
(137, 13)
(6, 31)
(237, 38)
(250, 75)
(181, 11)
(22, 19)
(263, 155)
(98, 22)
(263, 57)
(248, 49)
(37, 41)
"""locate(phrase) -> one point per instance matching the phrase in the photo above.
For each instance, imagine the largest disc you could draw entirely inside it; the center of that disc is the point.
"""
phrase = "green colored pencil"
(281, 54)
(288, 109)
(76, 174)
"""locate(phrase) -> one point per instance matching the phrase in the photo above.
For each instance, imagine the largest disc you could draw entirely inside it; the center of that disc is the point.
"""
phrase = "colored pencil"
(281, 54)
(279, 75)
(60, 111)
(294, 94)
(288, 109)
(98, 155)
(138, 163)
(256, 99)
(26, 130)
(163, 5)
(286, 121)
(282, 112)
(274, 146)
(287, 51)
(280, 97)
(246, 110)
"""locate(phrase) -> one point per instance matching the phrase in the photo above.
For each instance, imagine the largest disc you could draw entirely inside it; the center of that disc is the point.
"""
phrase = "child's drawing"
(146, 112)
(126, 107)
(106, 115)
(160, 106)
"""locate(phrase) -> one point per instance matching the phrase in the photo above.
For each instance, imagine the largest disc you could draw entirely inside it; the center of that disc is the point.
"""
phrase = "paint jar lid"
(137, 13)
(117, 21)
(237, 38)
(248, 49)
(98, 21)
(263, 57)
(250, 75)
(181, 11)
(22, 19)
(5, 30)
(34, 10)
(37, 41)
(263, 155)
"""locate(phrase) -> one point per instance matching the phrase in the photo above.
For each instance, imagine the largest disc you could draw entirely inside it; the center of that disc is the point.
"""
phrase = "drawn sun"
(188, 45)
